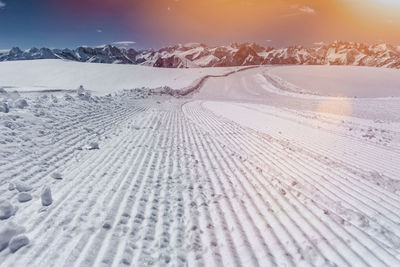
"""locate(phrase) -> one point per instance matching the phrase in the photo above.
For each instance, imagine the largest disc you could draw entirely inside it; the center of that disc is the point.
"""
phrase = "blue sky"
(28, 23)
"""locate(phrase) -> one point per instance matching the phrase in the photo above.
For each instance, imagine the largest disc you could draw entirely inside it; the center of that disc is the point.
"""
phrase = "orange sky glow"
(310, 20)
(279, 22)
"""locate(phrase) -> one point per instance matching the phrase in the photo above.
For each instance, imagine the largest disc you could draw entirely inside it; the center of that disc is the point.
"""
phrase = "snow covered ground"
(27, 75)
(347, 81)
(247, 171)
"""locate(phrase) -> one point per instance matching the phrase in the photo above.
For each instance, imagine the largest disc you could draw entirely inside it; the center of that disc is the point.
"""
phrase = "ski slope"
(56, 74)
(347, 81)
(240, 173)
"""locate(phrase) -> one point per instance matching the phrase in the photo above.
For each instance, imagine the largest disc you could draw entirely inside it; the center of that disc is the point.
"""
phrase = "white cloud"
(2, 4)
(319, 43)
(268, 41)
(307, 9)
(124, 43)
(99, 30)
(299, 10)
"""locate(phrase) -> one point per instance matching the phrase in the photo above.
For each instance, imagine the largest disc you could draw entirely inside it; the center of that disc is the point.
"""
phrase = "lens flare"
(339, 106)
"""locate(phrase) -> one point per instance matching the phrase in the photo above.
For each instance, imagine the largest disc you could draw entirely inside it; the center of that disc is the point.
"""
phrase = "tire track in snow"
(188, 187)
(52, 153)
(86, 179)
(244, 146)
(306, 166)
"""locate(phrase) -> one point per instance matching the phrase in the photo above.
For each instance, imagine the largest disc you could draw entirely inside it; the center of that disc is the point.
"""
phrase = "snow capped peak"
(199, 55)
(15, 51)
(33, 50)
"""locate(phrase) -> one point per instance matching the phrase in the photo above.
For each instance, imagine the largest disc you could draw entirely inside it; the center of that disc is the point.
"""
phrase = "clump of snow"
(9, 124)
(7, 232)
(24, 197)
(11, 186)
(54, 99)
(56, 175)
(20, 103)
(81, 91)
(83, 94)
(107, 226)
(6, 210)
(13, 95)
(18, 242)
(93, 145)
(46, 196)
(11, 100)
(68, 97)
(23, 187)
(4, 106)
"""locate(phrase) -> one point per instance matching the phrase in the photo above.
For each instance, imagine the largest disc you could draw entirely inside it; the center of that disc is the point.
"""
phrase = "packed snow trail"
(187, 182)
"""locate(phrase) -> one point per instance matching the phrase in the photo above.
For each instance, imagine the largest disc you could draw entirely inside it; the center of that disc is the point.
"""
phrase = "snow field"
(347, 81)
(100, 79)
(331, 204)
(255, 179)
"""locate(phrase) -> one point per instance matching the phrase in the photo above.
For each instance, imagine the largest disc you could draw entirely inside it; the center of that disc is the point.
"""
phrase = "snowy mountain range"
(200, 55)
